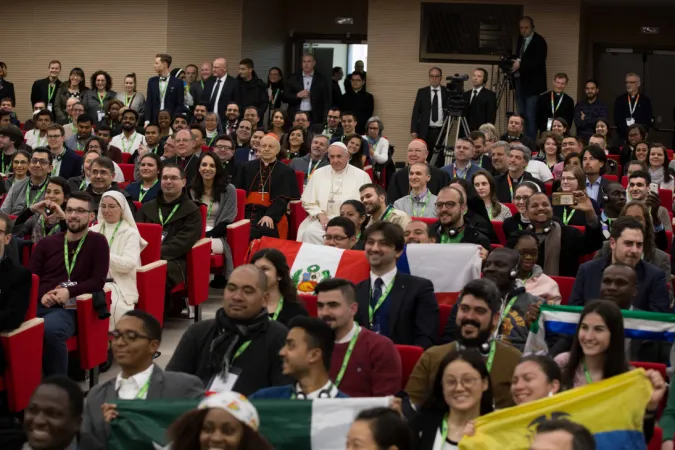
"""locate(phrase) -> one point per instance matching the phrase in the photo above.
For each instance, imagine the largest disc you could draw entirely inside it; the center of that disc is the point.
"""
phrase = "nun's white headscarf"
(127, 215)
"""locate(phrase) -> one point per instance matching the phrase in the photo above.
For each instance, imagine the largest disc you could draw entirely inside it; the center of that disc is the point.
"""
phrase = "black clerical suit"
(504, 191)
(481, 108)
(228, 93)
(362, 104)
(422, 115)
(320, 93)
(525, 140)
(545, 112)
(40, 92)
(642, 114)
(400, 185)
(413, 310)
(174, 97)
(190, 165)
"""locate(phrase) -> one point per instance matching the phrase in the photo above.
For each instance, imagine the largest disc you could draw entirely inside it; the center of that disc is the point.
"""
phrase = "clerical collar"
(517, 179)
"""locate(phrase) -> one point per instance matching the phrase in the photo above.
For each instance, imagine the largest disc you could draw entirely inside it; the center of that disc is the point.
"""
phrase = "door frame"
(297, 41)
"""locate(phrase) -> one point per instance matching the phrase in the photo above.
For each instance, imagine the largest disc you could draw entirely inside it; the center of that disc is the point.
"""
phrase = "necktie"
(162, 78)
(475, 93)
(434, 108)
(216, 88)
(377, 292)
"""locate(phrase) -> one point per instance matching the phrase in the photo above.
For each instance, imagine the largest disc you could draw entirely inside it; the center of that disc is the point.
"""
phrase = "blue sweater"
(282, 392)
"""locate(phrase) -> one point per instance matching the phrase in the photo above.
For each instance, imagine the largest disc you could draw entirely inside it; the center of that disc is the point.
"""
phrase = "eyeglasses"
(20, 163)
(467, 382)
(127, 336)
(40, 162)
(334, 117)
(78, 211)
(330, 237)
(521, 198)
(449, 205)
(223, 147)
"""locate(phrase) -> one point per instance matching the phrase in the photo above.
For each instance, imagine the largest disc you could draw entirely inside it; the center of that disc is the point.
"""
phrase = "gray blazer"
(15, 202)
(163, 385)
(137, 104)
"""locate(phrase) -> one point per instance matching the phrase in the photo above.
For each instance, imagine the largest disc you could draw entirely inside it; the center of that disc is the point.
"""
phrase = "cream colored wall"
(395, 73)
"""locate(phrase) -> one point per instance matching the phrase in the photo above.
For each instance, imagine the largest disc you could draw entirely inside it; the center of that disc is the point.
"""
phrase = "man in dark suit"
(67, 163)
(308, 91)
(481, 103)
(632, 107)
(6, 88)
(336, 92)
(220, 89)
(427, 115)
(135, 341)
(45, 90)
(530, 71)
(360, 102)
(400, 306)
(164, 92)
(514, 132)
(555, 103)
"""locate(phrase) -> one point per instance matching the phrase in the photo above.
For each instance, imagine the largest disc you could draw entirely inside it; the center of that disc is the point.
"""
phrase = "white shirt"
(128, 389)
(306, 104)
(128, 145)
(439, 122)
(539, 170)
(348, 337)
(386, 278)
(35, 140)
(220, 90)
(330, 387)
(163, 86)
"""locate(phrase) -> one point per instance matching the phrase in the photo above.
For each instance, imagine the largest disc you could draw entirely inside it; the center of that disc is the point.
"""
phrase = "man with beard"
(417, 232)
(85, 129)
(501, 267)
(374, 198)
(232, 115)
(129, 140)
(25, 193)
(587, 112)
(199, 113)
(452, 228)
(81, 269)
(478, 313)
(102, 173)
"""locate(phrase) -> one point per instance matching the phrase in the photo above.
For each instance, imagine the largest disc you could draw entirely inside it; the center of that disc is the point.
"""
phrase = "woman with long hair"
(131, 98)
(113, 116)
(275, 88)
(75, 87)
(356, 212)
(602, 128)
(487, 191)
(657, 158)
(210, 188)
(147, 187)
(639, 153)
(476, 211)
(277, 125)
(295, 143)
(550, 149)
(96, 99)
(226, 420)
(559, 127)
(520, 221)
(356, 156)
(535, 377)
(282, 304)
(461, 393)
(530, 273)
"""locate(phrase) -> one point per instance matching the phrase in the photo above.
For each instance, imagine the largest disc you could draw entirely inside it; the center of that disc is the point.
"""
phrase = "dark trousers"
(60, 325)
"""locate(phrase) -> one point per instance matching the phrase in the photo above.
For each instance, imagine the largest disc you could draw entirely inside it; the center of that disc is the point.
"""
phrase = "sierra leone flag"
(564, 319)
(287, 424)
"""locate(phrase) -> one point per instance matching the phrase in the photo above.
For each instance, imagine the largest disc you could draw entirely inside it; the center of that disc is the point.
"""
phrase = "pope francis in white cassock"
(326, 190)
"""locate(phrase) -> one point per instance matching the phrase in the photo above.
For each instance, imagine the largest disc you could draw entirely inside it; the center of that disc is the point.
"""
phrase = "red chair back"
(123, 184)
(670, 154)
(624, 181)
(241, 204)
(138, 205)
(206, 148)
(126, 157)
(31, 313)
(512, 207)
(498, 226)
(443, 316)
(300, 179)
(128, 171)
(152, 233)
(666, 196)
(669, 238)
(612, 178)
(410, 354)
(310, 304)
(203, 210)
(616, 158)
(565, 284)
(79, 152)
(549, 188)
(427, 220)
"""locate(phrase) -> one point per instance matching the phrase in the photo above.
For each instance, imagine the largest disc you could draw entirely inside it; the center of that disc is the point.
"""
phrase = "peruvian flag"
(311, 263)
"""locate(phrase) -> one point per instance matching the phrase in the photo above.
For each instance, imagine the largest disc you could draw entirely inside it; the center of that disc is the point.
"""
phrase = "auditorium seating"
(669, 237)
(498, 226)
(126, 157)
(151, 276)
(237, 237)
(512, 207)
(666, 196)
(443, 316)
(298, 214)
(565, 284)
(410, 354)
(427, 220)
(611, 178)
(300, 179)
(128, 171)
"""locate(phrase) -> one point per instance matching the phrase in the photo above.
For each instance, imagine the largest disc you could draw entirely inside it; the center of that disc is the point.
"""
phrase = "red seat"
(79, 152)
(565, 284)
(427, 220)
(611, 178)
(127, 171)
(23, 358)
(512, 207)
(238, 234)
(616, 158)
(443, 316)
(126, 157)
(151, 277)
(206, 148)
(300, 179)
(498, 226)
(298, 214)
(123, 184)
(138, 205)
(549, 188)
(669, 238)
(657, 437)
(670, 154)
(624, 181)
(666, 196)
(310, 304)
(410, 354)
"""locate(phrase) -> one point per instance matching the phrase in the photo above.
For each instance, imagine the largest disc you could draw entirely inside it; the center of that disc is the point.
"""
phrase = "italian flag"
(287, 424)
(564, 320)
(311, 263)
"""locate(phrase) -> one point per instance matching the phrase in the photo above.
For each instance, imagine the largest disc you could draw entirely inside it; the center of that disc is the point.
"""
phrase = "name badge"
(164, 234)
(219, 384)
(49, 107)
(208, 228)
(630, 121)
(101, 115)
(549, 124)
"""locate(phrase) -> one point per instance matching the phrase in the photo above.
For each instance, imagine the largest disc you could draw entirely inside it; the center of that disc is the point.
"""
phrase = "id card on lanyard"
(631, 109)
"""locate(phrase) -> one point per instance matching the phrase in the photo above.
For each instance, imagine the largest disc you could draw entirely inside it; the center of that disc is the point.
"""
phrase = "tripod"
(506, 89)
(442, 141)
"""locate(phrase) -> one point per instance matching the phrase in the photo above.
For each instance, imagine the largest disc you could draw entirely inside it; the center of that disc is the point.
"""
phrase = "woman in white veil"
(117, 224)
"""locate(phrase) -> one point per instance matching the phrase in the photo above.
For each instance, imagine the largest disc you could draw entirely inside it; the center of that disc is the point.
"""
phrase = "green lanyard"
(567, 218)
(489, 211)
(144, 390)
(126, 149)
(211, 140)
(100, 100)
(417, 213)
(444, 430)
(445, 239)
(70, 266)
(30, 202)
(83, 183)
(161, 216)
(348, 355)
(208, 210)
(387, 213)
(112, 238)
(142, 192)
(202, 83)
(466, 172)
(491, 355)
(371, 310)
(587, 374)
(53, 230)
(310, 169)
(507, 310)
(162, 92)
(128, 101)
(4, 167)
(50, 92)
(241, 350)
(277, 311)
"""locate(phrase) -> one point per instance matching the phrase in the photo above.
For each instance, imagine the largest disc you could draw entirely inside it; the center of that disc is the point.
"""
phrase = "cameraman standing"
(530, 72)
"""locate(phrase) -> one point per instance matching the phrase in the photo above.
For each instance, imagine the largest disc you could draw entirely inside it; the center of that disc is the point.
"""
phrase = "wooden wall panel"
(264, 35)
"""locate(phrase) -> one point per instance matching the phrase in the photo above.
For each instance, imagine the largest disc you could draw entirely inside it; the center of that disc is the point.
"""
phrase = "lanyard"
(491, 355)
(162, 92)
(348, 355)
(454, 171)
(112, 238)
(100, 100)
(127, 149)
(567, 218)
(202, 83)
(587, 374)
(554, 109)
(144, 391)
(142, 192)
(371, 310)
(508, 178)
(83, 183)
(489, 211)
(310, 169)
(30, 202)
(241, 350)
(208, 210)
(633, 107)
(128, 100)
(53, 230)
(445, 239)
(4, 167)
(211, 140)
(387, 213)
(444, 430)
(161, 216)
(416, 212)
(505, 313)
(70, 266)
(277, 311)
(50, 92)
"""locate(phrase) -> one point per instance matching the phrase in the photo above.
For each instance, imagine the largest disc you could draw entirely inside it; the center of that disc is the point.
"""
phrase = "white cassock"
(325, 192)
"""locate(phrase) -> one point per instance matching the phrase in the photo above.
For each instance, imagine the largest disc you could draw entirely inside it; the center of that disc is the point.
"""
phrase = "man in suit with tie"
(308, 91)
(164, 92)
(45, 90)
(135, 341)
(219, 90)
(530, 72)
(481, 103)
(399, 306)
(427, 115)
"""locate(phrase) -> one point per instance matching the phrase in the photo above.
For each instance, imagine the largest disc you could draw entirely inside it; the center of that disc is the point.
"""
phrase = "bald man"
(197, 87)
(400, 184)
(328, 188)
(215, 351)
(163, 92)
(269, 185)
(219, 89)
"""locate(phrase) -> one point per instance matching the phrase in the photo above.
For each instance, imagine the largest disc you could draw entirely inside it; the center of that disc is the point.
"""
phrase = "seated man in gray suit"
(135, 341)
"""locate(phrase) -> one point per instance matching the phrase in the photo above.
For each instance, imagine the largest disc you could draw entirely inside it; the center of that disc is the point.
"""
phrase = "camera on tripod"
(455, 86)
(506, 63)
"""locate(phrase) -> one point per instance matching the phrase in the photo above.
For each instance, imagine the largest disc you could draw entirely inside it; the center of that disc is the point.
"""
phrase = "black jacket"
(113, 187)
(251, 92)
(483, 108)
(533, 65)
(471, 235)
(573, 245)
(526, 141)
(503, 190)
(362, 104)
(544, 110)
(174, 97)
(642, 115)
(40, 91)
(227, 94)
(421, 115)
(7, 90)
(320, 94)
(260, 363)
(413, 314)
(15, 286)
(425, 425)
(71, 164)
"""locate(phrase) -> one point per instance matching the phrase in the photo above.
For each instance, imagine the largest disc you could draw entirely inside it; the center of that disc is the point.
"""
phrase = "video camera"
(455, 86)
(506, 63)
